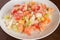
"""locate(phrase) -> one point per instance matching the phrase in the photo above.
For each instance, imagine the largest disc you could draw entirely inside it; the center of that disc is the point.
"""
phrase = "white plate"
(50, 29)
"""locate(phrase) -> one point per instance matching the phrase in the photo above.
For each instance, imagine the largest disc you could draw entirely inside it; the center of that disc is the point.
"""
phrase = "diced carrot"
(31, 28)
(44, 23)
(33, 8)
(48, 20)
(27, 31)
(21, 21)
(26, 12)
(51, 10)
(20, 28)
(28, 16)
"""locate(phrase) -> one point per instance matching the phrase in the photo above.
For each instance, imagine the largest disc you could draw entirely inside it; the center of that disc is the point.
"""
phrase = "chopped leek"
(28, 23)
(47, 15)
(7, 17)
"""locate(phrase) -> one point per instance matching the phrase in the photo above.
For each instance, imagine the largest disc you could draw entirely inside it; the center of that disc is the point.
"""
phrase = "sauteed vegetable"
(29, 17)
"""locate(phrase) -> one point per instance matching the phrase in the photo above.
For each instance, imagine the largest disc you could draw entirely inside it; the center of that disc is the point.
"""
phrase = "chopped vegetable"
(21, 21)
(7, 17)
(15, 28)
(47, 15)
(38, 15)
(50, 10)
(20, 28)
(27, 31)
(28, 23)
(42, 19)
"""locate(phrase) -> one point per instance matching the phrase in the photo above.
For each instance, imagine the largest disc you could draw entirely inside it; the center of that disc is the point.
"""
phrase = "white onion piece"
(32, 19)
(38, 15)
(10, 23)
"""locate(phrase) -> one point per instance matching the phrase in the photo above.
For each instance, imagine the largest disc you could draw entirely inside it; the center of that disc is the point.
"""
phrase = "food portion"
(26, 18)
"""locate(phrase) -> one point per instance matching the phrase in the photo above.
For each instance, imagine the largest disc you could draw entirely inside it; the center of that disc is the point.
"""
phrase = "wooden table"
(53, 36)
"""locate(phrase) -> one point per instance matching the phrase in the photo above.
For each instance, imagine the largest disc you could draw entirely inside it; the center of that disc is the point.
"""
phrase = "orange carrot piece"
(27, 31)
(20, 28)
(42, 28)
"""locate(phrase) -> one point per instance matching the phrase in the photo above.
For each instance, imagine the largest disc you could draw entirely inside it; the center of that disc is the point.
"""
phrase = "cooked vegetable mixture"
(29, 17)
